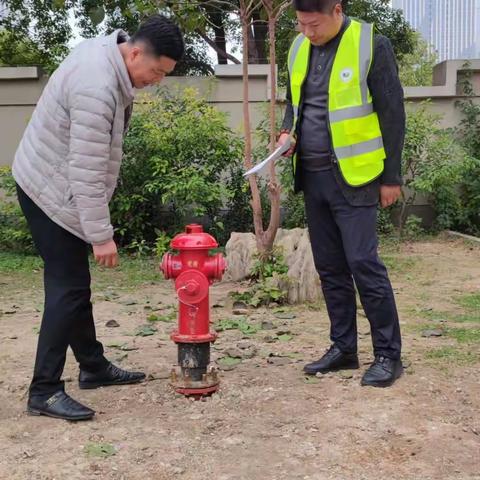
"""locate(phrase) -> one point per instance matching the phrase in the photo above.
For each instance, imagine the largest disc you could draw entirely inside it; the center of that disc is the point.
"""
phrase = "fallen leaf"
(145, 331)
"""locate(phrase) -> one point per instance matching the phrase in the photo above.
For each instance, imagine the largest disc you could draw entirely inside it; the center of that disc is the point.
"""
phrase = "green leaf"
(145, 331)
(168, 318)
(248, 329)
(102, 450)
(239, 323)
(229, 361)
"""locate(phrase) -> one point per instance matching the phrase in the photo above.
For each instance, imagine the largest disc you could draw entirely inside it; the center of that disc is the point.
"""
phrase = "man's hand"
(106, 254)
(281, 140)
(389, 194)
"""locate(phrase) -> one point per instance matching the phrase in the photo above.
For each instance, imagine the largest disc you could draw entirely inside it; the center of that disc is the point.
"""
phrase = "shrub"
(181, 163)
(14, 232)
(434, 162)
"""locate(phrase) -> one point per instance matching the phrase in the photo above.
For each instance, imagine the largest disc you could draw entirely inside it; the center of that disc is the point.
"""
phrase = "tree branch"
(221, 52)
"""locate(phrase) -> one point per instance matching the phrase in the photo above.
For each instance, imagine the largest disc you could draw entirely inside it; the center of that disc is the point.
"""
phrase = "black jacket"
(388, 102)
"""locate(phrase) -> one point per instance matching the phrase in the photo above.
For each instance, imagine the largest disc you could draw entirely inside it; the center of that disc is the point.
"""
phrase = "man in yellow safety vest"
(345, 109)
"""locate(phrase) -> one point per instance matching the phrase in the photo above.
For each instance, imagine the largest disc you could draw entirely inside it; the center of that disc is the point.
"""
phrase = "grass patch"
(452, 355)
(19, 271)
(131, 273)
(470, 301)
(464, 335)
(16, 263)
(470, 312)
(398, 263)
(466, 318)
(435, 315)
(420, 327)
(101, 450)
(389, 244)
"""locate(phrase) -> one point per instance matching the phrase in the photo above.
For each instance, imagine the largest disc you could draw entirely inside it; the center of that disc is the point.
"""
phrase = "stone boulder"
(303, 285)
(240, 251)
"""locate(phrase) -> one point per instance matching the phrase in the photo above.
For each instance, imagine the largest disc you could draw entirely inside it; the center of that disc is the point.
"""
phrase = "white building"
(452, 27)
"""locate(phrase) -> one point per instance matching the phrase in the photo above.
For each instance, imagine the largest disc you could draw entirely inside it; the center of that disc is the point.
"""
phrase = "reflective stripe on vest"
(354, 127)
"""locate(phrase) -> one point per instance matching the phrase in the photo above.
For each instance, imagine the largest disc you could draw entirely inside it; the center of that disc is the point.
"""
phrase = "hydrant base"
(186, 386)
(197, 392)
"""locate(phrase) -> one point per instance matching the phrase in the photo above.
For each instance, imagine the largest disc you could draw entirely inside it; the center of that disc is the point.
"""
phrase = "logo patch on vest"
(346, 75)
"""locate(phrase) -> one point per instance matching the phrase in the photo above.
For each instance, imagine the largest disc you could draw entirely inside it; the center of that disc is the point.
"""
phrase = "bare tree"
(273, 8)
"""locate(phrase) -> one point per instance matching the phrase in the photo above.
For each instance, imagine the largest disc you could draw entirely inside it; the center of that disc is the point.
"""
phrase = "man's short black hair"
(161, 36)
(321, 6)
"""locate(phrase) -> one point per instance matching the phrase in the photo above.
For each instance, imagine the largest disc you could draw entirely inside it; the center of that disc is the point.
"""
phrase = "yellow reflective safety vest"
(354, 127)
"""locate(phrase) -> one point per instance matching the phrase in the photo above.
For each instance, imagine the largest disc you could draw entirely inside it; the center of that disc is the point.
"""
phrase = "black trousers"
(67, 317)
(344, 244)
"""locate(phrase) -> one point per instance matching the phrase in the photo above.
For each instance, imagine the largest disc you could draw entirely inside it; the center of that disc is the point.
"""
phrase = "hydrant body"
(194, 270)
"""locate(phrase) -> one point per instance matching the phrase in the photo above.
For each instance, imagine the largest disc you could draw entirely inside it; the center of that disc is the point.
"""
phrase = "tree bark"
(274, 187)
(256, 199)
(252, 46)
(216, 19)
(260, 33)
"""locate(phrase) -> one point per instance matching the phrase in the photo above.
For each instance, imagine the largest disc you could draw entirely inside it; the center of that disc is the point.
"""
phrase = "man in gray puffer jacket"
(66, 169)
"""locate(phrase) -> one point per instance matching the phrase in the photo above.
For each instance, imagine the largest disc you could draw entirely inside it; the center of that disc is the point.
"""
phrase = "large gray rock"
(240, 251)
(304, 284)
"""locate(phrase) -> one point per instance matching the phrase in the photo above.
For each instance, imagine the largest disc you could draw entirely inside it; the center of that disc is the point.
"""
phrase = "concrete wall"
(446, 90)
(20, 88)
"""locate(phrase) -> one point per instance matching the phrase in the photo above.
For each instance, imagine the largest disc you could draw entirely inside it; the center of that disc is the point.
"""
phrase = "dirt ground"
(268, 422)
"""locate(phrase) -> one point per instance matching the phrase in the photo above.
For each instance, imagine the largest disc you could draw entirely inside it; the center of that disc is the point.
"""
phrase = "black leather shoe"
(382, 372)
(112, 375)
(332, 361)
(59, 405)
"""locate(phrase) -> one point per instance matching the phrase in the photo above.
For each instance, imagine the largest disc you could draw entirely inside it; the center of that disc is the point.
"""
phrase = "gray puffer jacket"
(69, 157)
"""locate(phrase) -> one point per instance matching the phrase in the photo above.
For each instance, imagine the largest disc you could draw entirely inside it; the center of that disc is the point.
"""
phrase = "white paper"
(274, 156)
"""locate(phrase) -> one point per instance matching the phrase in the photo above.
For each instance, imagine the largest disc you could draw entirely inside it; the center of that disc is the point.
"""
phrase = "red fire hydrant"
(194, 270)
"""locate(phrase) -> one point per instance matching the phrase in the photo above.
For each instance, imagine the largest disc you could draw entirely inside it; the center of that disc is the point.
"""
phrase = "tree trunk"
(256, 200)
(221, 43)
(219, 51)
(216, 19)
(252, 47)
(274, 187)
(260, 32)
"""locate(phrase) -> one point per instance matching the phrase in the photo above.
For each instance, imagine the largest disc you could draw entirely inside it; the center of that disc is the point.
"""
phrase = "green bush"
(413, 229)
(434, 165)
(469, 221)
(385, 225)
(181, 163)
(293, 203)
(468, 133)
(14, 232)
(269, 280)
